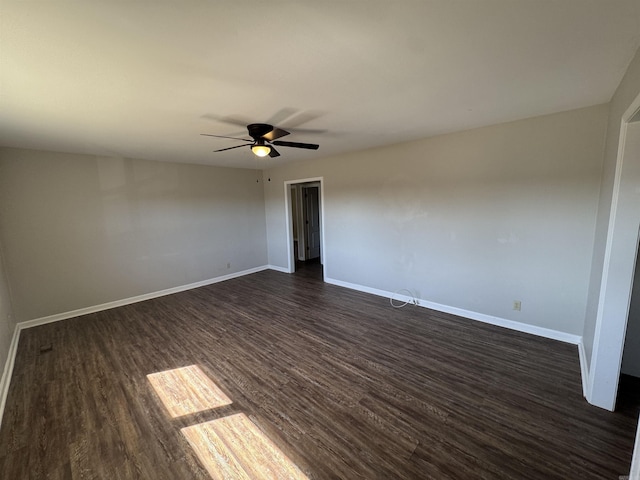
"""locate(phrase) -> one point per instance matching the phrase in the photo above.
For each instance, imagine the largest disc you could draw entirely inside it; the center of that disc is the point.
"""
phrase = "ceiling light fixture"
(260, 149)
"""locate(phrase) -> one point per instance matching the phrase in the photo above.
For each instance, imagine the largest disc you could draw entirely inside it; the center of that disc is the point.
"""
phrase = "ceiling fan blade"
(282, 115)
(309, 131)
(234, 120)
(231, 148)
(301, 118)
(309, 146)
(222, 136)
(230, 119)
(274, 153)
(275, 133)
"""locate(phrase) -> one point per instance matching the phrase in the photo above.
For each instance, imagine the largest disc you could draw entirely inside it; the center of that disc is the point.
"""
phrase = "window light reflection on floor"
(234, 447)
(187, 390)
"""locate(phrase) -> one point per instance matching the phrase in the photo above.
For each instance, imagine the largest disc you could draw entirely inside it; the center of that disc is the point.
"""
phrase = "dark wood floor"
(346, 386)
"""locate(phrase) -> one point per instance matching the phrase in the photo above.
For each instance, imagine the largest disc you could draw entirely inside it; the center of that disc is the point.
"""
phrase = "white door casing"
(618, 269)
(319, 182)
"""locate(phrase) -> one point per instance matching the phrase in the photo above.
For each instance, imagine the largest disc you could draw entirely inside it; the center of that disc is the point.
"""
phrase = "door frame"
(615, 288)
(291, 264)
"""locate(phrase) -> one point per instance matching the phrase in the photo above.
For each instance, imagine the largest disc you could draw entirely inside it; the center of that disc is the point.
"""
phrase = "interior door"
(312, 221)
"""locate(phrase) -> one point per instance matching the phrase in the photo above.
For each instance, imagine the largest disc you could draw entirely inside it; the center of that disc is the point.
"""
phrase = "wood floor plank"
(338, 381)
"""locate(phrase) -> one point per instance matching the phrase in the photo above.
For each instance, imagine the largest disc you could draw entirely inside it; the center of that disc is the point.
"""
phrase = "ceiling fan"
(263, 138)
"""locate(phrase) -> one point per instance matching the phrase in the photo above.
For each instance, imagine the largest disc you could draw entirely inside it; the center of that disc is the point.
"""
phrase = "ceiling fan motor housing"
(258, 130)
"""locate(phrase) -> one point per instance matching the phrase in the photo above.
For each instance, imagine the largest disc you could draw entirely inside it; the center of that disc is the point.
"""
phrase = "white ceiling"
(143, 79)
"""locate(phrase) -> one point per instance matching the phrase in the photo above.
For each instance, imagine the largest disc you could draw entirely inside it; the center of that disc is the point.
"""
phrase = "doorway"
(305, 236)
(631, 353)
(628, 397)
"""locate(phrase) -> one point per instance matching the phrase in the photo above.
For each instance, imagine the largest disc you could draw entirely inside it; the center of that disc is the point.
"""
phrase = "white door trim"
(615, 289)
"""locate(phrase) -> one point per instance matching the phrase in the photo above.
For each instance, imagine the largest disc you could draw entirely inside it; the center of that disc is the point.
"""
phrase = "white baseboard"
(584, 369)
(480, 317)
(634, 474)
(278, 269)
(139, 298)
(8, 370)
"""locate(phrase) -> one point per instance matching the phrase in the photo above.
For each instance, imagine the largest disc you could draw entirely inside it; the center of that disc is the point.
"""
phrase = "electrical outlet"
(228, 265)
(517, 305)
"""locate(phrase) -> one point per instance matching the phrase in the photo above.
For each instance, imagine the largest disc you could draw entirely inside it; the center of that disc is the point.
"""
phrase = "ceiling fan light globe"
(261, 150)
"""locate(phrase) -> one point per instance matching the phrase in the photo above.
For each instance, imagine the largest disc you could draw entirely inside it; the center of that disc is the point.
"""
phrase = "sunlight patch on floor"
(233, 447)
(187, 390)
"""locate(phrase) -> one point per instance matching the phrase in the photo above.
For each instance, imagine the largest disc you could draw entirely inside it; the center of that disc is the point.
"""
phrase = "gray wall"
(7, 320)
(625, 94)
(473, 220)
(78, 231)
